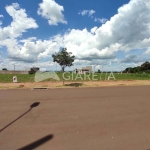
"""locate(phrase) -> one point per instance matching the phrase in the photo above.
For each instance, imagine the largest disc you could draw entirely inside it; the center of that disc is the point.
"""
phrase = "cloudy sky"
(105, 34)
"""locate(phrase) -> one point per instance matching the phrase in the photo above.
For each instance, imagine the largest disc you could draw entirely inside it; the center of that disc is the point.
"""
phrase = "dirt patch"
(73, 84)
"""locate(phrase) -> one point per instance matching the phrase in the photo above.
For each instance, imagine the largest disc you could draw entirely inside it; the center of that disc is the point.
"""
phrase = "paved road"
(106, 118)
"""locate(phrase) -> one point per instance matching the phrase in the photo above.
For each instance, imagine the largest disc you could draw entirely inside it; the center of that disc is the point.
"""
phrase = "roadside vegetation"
(144, 68)
(7, 78)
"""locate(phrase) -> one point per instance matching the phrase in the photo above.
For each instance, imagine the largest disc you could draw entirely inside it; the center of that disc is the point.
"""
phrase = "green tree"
(4, 69)
(145, 66)
(63, 58)
(98, 71)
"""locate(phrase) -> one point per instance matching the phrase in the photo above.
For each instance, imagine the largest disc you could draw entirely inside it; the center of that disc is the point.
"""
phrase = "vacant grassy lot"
(7, 78)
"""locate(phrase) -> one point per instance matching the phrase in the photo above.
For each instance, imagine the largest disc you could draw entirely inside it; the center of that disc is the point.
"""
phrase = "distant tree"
(4, 69)
(63, 58)
(145, 66)
(137, 69)
(98, 71)
(128, 70)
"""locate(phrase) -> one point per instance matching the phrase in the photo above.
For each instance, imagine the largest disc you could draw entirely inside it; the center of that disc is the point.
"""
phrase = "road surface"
(105, 118)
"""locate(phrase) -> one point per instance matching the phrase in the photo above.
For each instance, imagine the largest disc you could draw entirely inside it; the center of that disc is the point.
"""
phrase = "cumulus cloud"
(21, 22)
(133, 59)
(87, 12)
(30, 51)
(129, 29)
(52, 11)
(147, 52)
(83, 45)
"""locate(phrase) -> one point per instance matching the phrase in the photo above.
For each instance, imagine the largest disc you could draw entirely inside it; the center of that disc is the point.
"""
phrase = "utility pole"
(93, 69)
(121, 68)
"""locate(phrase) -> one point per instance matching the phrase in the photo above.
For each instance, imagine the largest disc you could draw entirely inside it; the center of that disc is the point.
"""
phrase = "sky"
(108, 35)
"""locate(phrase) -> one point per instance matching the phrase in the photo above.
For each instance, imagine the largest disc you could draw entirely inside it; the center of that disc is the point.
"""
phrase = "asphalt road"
(106, 118)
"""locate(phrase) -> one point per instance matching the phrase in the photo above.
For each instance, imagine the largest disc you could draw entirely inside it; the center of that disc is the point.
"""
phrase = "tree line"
(144, 68)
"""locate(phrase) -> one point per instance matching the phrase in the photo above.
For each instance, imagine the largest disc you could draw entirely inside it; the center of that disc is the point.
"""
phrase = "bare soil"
(73, 84)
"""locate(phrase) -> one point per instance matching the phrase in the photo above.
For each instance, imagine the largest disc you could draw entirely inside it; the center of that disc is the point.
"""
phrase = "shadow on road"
(32, 106)
(74, 84)
(37, 143)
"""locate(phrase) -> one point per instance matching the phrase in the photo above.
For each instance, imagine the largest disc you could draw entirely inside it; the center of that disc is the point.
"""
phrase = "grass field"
(7, 78)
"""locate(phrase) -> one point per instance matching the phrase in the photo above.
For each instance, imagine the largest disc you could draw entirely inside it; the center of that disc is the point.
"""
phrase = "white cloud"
(52, 11)
(91, 12)
(15, 5)
(87, 12)
(132, 58)
(1, 16)
(127, 30)
(31, 50)
(93, 30)
(21, 22)
(83, 45)
(101, 20)
(147, 52)
(1, 59)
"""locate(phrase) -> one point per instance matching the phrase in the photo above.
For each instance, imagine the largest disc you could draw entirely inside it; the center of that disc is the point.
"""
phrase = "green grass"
(104, 76)
(7, 78)
(132, 76)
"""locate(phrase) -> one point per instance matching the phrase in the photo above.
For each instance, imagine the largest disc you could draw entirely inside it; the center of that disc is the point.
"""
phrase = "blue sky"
(100, 33)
